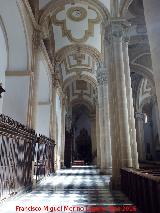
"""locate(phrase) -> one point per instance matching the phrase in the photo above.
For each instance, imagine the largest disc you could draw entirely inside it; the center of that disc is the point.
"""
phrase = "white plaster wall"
(59, 128)
(43, 86)
(43, 114)
(16, 97)
(43, 120)
(3, 62)
(18, 56)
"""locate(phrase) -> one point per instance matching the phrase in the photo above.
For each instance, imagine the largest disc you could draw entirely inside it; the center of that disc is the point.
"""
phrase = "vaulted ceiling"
(78, 28)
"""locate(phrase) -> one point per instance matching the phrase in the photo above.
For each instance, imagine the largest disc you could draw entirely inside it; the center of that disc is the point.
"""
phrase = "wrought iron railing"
(19, 148)
(43, 157)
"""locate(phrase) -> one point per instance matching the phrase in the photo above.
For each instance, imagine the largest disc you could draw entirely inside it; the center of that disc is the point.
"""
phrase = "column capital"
(154, 99)
(102, 75)
(139, 115)
(120, 29)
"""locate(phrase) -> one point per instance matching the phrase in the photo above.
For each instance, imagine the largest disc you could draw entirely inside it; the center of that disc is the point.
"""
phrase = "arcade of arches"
(85, 73)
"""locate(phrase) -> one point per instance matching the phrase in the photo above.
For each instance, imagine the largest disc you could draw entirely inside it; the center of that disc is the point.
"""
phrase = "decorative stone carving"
(102, 75)
(117, 30)
(72, 15)
(120, 29)
(78, 48)
(139, 115)
(154, 99)
(14, 129)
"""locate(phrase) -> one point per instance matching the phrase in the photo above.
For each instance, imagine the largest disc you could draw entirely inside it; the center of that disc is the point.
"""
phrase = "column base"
(115, 183)
(106, 171)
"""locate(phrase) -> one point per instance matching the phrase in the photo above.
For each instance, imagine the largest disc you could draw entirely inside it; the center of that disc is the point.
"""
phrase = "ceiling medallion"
(77, 13)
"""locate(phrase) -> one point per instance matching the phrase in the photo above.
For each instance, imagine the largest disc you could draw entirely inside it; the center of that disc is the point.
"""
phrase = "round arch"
(77, 48)
(141, 70)
(90, 79)
(4, 47)
(87, 104)
(124, 7)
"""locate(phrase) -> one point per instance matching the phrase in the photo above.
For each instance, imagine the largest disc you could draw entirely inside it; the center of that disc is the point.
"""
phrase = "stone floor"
(80, 189)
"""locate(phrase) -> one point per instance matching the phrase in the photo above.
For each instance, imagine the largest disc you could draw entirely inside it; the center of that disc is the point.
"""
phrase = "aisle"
(79, 189)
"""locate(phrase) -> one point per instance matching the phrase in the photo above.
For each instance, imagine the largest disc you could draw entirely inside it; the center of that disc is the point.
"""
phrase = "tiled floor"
(82, 188)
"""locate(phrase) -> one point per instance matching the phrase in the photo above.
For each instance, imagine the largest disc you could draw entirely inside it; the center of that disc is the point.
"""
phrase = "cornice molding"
(18, 73)
(44, 103)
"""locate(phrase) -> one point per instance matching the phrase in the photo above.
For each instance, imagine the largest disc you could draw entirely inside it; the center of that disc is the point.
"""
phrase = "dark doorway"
(84, 147)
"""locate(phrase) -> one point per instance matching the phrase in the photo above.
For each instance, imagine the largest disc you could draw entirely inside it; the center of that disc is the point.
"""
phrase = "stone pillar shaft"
(98, 137)
(126, 160)
(53, 125)
(32, 117)
(63, 133)
(93, 138)
(131, 119)
(152, 17)
(101, 125)
(140, 135)
(107, 127)
(105, 143)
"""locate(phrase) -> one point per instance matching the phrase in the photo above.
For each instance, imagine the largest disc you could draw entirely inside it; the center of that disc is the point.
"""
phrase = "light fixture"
(1, 90)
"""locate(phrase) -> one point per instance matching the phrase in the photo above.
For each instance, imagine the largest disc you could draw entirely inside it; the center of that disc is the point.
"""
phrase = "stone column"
(33, 102)
(117, 35)
(140, 135)
(106, 69)
(107, 124)
(155, 104)
(93, 138)
(101, 127)
(131, 119)
(53, 110)
(152, 17)
(105, 143)
(98, 136)
(63, 132)
(53, 125)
